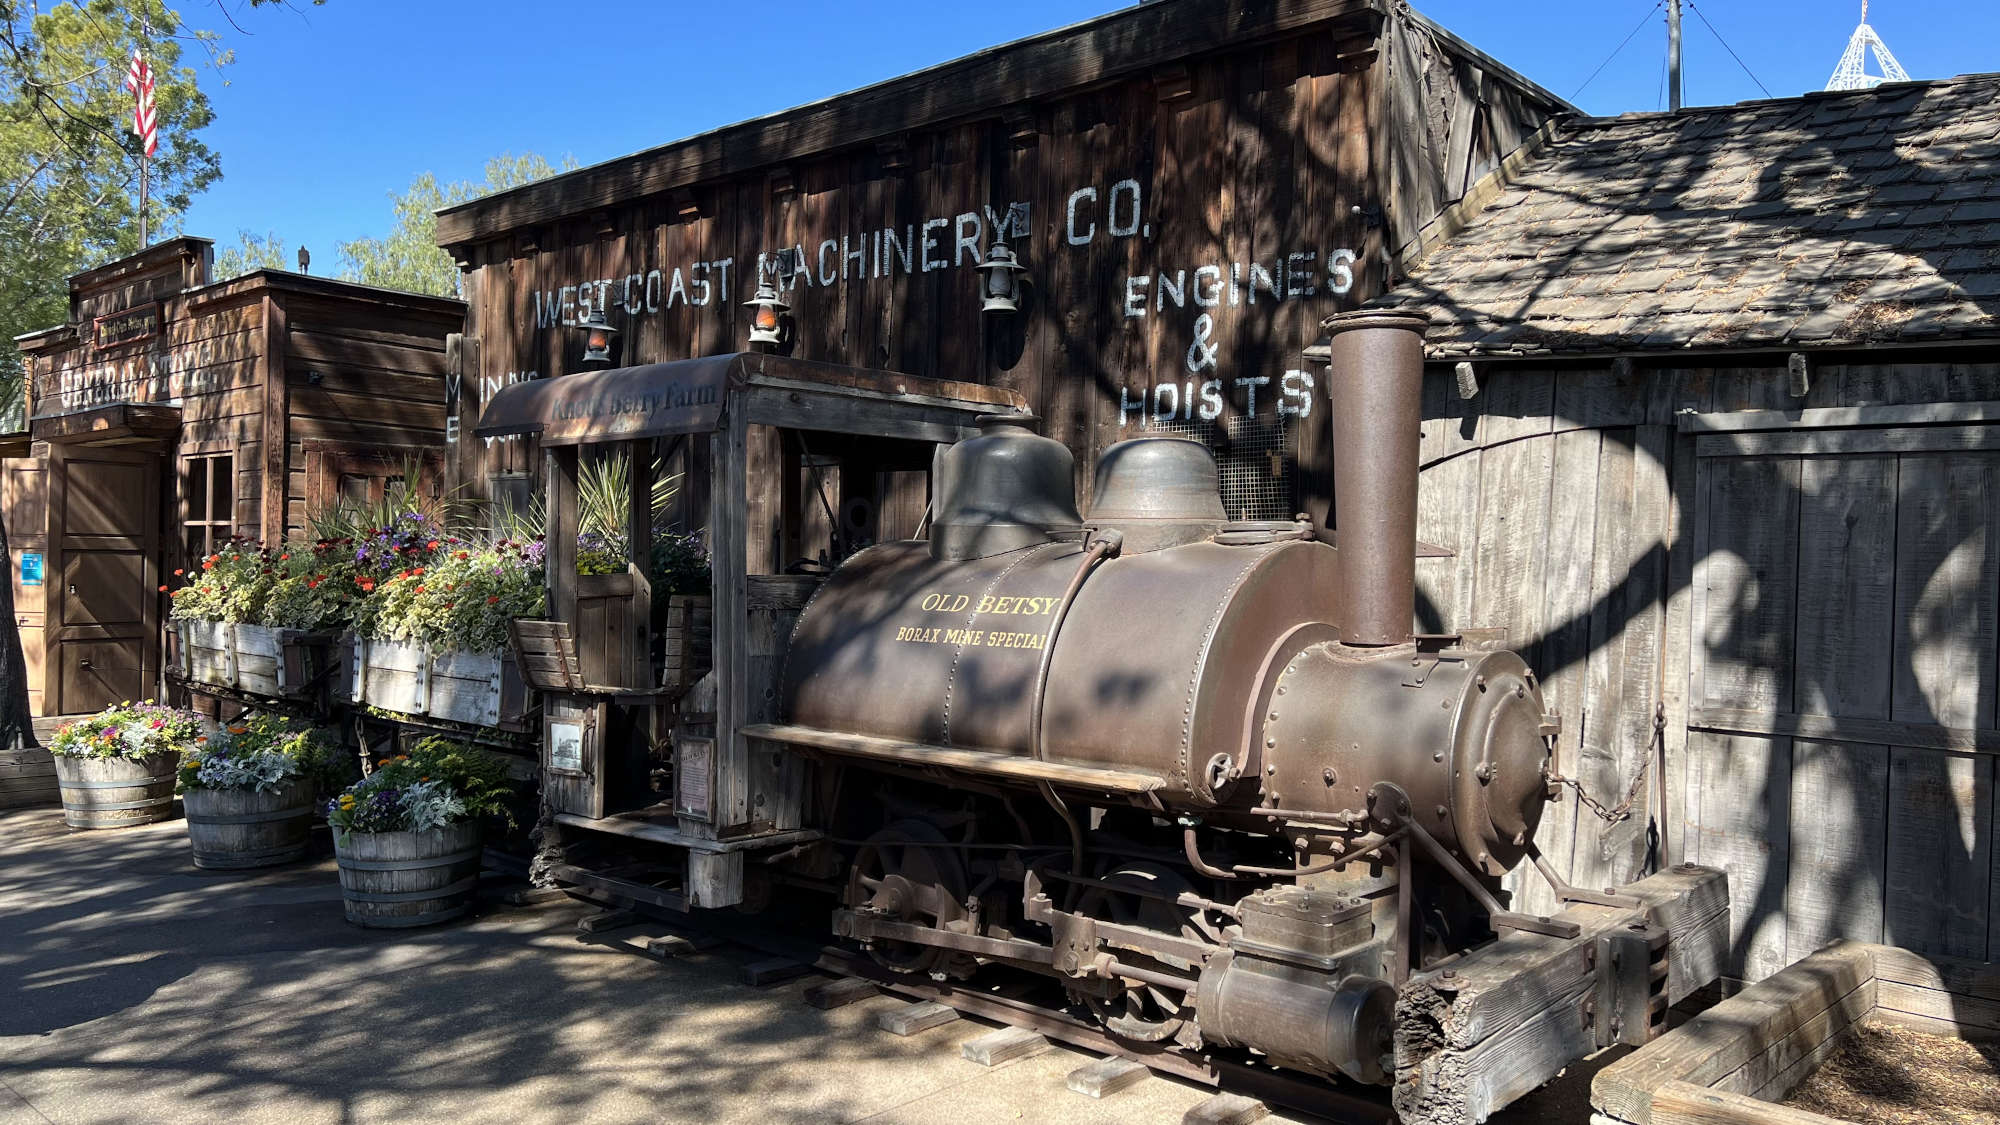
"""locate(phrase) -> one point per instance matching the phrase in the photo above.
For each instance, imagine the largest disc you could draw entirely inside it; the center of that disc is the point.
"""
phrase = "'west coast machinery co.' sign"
(1200, 300)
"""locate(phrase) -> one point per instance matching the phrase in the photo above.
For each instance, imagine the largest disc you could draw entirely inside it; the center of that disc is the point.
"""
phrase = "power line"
(1732, 51)
(1614, 51)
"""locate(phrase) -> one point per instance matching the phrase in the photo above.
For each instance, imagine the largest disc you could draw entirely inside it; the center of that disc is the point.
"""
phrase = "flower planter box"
(233, 828)
(394, 880)
(116, 792)
(475, 688)
(261, 660)
(1731, 1064)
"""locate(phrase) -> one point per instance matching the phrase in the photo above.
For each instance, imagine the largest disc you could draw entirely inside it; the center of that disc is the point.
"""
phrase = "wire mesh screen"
(1256, 458)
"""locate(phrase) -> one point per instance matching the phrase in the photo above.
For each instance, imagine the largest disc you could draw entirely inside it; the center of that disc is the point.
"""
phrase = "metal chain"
(1622, 809)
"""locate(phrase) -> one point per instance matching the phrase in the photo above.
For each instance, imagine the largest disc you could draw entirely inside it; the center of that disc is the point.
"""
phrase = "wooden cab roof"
(691, 396)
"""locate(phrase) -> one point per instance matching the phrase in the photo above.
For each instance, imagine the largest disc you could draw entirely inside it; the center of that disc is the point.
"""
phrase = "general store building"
(170, 413)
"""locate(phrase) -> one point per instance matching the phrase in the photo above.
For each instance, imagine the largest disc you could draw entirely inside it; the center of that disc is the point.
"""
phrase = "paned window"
(209, 485)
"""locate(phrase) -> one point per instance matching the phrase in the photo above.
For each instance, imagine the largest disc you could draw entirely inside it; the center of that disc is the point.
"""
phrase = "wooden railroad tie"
(604, 920)
(1003, 1046)
(770, 971)
(913, 1018)
(1226, 1109)
(1106, 1076)
(680, 945)
(533, 896)
(840, 993)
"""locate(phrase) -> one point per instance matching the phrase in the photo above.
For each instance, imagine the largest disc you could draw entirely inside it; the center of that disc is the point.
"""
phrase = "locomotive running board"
(986, 763)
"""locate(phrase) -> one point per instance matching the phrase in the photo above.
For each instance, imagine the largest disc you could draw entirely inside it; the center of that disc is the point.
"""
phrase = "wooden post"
(559, 466)
(729, 781)
(275, 474)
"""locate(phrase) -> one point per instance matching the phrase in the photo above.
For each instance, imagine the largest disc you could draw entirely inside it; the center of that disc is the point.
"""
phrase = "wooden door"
(103, 608)
(1842, 730)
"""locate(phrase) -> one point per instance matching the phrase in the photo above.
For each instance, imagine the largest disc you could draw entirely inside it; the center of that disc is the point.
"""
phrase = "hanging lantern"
(1001, 288)
(768, 322)
(598, 335)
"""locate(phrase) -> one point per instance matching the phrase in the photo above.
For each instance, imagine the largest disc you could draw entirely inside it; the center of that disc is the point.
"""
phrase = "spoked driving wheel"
(1144, 1013)
(908, 872)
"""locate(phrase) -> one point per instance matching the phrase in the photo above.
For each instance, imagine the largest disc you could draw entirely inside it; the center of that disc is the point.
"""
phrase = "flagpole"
(145, 178)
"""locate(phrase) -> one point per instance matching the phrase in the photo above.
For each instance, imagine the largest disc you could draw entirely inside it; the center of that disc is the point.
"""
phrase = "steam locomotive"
(1199, 774)
(1229, 780)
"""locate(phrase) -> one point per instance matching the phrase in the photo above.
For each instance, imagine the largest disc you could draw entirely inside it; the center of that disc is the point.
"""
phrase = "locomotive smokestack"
(1375, 384)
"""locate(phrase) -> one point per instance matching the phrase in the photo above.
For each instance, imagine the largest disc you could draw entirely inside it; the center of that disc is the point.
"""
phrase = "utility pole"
(1673, 54)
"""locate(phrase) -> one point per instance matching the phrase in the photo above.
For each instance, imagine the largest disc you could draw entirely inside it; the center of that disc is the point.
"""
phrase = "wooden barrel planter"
(116, 792)
(238, 828)
(392, 880)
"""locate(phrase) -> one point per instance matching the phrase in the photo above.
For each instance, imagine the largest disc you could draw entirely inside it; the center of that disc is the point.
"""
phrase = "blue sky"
(328, 110)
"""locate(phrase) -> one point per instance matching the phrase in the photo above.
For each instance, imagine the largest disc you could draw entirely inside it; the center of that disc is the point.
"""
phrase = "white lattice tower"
(1852, 72)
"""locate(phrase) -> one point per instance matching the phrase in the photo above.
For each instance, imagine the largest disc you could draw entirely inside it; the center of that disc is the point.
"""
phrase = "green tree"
(253, 251)
(69, 182)
(69, 162)
(409, 257)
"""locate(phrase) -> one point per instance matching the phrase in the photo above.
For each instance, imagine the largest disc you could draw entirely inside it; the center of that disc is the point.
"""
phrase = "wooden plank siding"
(1819, 631)
(1186, 224)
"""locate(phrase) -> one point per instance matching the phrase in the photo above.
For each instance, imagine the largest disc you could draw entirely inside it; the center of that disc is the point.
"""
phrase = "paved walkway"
(134, 988)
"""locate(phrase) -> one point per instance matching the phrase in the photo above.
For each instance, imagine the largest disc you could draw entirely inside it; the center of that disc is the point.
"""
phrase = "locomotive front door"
(103, 612)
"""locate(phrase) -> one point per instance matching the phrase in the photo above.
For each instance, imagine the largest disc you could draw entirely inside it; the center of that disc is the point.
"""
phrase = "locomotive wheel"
(1146, 1013)
(910, 873)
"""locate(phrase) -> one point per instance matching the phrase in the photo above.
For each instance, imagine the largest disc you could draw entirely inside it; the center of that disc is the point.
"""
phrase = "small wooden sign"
(694, 791)
(128, 325)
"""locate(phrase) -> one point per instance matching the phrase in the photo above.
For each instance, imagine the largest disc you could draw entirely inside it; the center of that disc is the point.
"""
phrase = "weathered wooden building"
(1705, 437)
(1190, 186)
(1712, 435)
(170, 413)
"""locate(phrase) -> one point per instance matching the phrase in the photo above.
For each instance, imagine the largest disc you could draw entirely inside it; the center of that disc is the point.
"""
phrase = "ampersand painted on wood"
(1201, 353)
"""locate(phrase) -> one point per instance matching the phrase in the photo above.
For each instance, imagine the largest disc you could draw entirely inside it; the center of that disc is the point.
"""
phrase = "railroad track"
(1276, 1088)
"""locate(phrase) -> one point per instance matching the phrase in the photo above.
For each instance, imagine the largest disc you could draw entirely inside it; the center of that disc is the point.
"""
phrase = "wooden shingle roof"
(1825, 220)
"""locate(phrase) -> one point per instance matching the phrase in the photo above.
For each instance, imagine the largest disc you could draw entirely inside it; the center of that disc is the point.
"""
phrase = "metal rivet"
(1271, 769)
(1437, 756)
(1281, 690)
(1270, 742)
(1443, 812)
(1274, 716)
(1327, 775)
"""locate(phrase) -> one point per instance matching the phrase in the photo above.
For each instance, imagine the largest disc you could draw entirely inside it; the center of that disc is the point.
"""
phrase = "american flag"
(145, 122)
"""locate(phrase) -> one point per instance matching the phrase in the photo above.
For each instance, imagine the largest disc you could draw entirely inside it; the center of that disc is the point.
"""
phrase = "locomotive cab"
(784, 467)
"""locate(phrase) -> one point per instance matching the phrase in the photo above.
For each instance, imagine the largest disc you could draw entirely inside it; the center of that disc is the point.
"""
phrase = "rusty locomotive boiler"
(1201, 771)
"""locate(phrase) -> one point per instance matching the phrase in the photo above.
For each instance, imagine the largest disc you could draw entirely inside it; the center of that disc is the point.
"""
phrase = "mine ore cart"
(649, 741)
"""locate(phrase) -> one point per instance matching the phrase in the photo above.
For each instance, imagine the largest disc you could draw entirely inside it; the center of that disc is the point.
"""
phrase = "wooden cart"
(800, 460)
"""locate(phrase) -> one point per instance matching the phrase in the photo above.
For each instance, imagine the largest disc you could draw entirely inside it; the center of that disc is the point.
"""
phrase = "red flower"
(163, 589)
(283, 557)
(420, 588)
(204, 589)
(494, 600)
(431, 546)
(465, 554)
(418, 570)
(209, 565)
(178, 572)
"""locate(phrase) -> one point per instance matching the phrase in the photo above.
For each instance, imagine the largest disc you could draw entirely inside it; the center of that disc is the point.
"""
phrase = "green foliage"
(260, 751)
(462, 600)
(252, 252)
(129, 730)
(438, 782)
(409, 257)
(69, 162)
(230, 585)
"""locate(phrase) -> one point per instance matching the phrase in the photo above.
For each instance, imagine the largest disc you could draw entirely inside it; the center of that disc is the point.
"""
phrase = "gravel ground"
(135, 988)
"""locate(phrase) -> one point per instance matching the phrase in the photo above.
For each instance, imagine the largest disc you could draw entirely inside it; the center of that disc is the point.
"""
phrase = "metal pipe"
(1375, 387)
(1673, 54)
(1148, 976)
(1100, 548)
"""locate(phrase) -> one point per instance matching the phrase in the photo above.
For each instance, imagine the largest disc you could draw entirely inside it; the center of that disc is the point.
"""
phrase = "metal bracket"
(1567, 893)
(1630, 1003)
